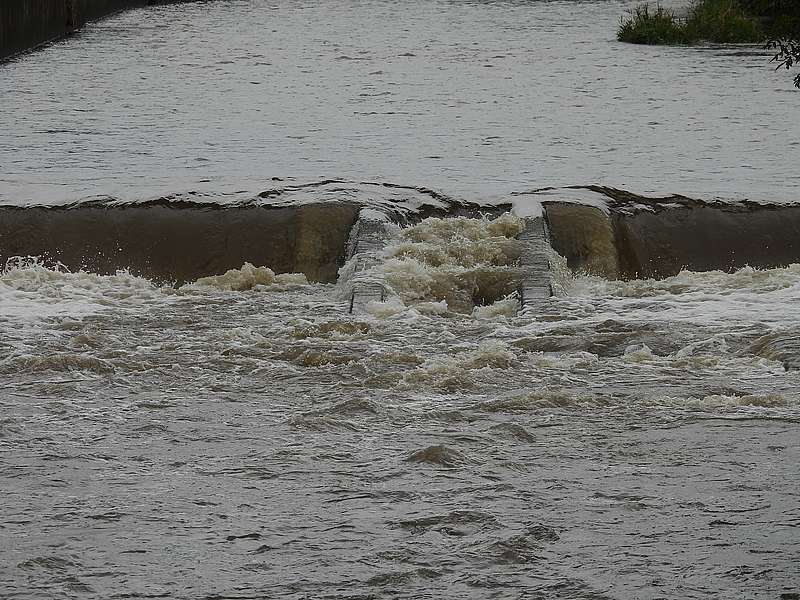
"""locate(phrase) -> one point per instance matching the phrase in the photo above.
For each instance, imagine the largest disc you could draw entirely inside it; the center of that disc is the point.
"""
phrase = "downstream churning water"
(244, 436)
(633, 441)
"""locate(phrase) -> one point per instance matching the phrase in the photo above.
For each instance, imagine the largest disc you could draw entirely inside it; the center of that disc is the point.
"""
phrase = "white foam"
(766, 296)
(533, 204)
(373, 214)
(556, 397)
(639, 353)
(459, 370)
(507, 307)
(248, 277)
(432, 308)
(383, 310)
(527, 207)
(453, 260)
(32, 290)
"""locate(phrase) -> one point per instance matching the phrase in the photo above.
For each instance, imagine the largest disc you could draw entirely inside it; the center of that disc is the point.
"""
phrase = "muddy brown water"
(630, 439)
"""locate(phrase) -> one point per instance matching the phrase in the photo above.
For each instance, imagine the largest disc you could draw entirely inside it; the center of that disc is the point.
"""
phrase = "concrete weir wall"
(703, 238)
(25, 24)
(180, 242)
(658, 241)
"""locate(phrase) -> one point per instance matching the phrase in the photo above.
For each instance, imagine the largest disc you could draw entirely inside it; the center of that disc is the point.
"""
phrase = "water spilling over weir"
(334, 386)
(603, 231)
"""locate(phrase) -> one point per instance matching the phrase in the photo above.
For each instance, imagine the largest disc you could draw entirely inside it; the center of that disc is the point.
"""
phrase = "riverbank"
(716, 21)
(27, 24)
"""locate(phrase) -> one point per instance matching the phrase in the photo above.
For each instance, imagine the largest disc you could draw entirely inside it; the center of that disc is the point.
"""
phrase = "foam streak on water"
(633, 440)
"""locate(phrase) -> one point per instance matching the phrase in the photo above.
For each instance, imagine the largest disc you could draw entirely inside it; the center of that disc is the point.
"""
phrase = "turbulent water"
(243, 435)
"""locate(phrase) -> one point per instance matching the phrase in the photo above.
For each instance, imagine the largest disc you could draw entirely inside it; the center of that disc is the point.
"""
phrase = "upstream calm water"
(243, 436)
(473, 98)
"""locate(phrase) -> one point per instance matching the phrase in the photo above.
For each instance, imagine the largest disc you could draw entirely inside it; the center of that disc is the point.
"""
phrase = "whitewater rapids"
(438, 444)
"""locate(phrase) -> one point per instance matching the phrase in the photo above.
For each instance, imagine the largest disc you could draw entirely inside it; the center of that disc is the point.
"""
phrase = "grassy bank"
(719, 21)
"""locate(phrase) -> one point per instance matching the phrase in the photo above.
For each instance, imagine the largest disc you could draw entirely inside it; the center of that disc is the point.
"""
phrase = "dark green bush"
(781, 18)
(646, 26)
(722, 21)
(719, 21)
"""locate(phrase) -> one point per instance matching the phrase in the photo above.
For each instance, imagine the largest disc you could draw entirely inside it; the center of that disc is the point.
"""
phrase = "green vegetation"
(719, 21)
(787, 54)
(781, 17)
(774, 23)
(724, 22)
(651, 26)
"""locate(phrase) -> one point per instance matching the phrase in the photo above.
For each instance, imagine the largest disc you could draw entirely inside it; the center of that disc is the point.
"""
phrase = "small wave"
(311, 355)
(33, 288)
(507, 307)
(249, 277)
(34, 274)
(458, 523)
(333, 330)
(544, 398)
(458, 371)
(54, 564)
(782, 346)
(515, 431)
(330, 420)
(57, 362)
(522, 548)
(721, 401)
(441, 455)
(550, 398)
(688, 283)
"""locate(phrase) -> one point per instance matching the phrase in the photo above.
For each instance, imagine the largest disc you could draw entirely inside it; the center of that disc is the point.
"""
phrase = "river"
(244, 436)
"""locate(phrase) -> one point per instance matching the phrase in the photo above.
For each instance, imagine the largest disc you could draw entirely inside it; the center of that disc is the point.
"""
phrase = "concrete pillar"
(367, 240)
(535, 285)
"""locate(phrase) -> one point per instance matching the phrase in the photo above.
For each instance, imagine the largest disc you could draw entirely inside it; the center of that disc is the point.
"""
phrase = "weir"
(181, 241)
(782, 346)
(628, 236)
(662, 240)
(584, 235)
(618, 235)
